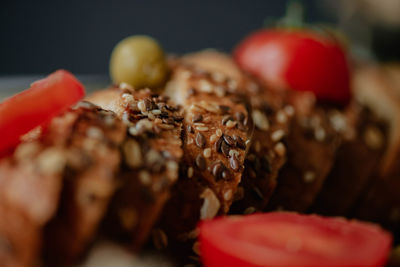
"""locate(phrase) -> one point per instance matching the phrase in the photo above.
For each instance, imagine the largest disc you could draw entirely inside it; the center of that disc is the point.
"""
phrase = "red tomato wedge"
(290, 239)
(301, 60)
(45, 99)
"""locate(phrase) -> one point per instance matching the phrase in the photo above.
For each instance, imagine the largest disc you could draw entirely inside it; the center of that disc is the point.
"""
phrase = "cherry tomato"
(290, 239)
(45, 99)
(297, 59)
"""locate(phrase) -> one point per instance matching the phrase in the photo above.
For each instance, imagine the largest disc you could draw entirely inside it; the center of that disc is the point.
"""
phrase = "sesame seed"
(127, 98)
(200, 162)
(209, 107)
(230, 124)
(51, 161)
(94, 132)
(132, 153)
(226, 118)
(213, 138)
(319, 134)
(205, 86)
(247, 142)
(166, 126)
(228, 194)
(200, 140)
(233, 152)
(195, 108)
(156, 111)
(277, 135)
(125, 118)
(229, 140)
(373, 137)
(309, 176)
(145, 177)
(142, 106)
(281, 117)
(202, 129)
(219, 91)
(218, 144)
(218, 132)
(218, 77)
(260, 120)
(197, 117)
(338, 121)
(289, 110)
(190, 172)
(172, 169)
(225, 149)
(210, 205)
(280, 149)
(207, 152)
(232, 84)
(199, 124)
(233, 161)
(190, 141)
(125, 86)
(239, 142)
(133, 131)
(151, 116)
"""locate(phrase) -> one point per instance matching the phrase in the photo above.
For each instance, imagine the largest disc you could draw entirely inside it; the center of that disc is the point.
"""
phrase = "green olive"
(139, 61)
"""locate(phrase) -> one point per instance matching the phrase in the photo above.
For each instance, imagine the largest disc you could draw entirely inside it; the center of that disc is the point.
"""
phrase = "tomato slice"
(45, 99)
(290, 239)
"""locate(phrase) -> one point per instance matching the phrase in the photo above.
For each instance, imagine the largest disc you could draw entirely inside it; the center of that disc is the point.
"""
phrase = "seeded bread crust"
(377, 88)
(312, 143)
(57, 167)
(357, 159)
(217, 133)
(151, 155)
(271, 117)
(88, 185)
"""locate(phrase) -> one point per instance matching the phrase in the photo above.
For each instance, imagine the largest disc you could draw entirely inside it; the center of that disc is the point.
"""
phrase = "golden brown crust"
(151, 155)
(88, 185)
(356, 162)
(271, 117)
(311, 145)
(73, 161)
(377, 88)
(217, 132)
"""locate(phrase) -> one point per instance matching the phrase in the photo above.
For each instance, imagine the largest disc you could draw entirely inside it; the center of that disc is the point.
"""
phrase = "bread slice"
(151, 155)
(377, 88)
(271, 117)
(358, 158)
(56, 186)
(312, 143)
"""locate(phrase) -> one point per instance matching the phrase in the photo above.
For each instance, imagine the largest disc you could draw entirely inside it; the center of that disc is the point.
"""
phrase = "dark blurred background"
(78, 35)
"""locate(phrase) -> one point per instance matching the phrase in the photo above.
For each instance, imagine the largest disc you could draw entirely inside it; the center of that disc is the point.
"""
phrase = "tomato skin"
(262, 240)
(298, 60)
(45, 99)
